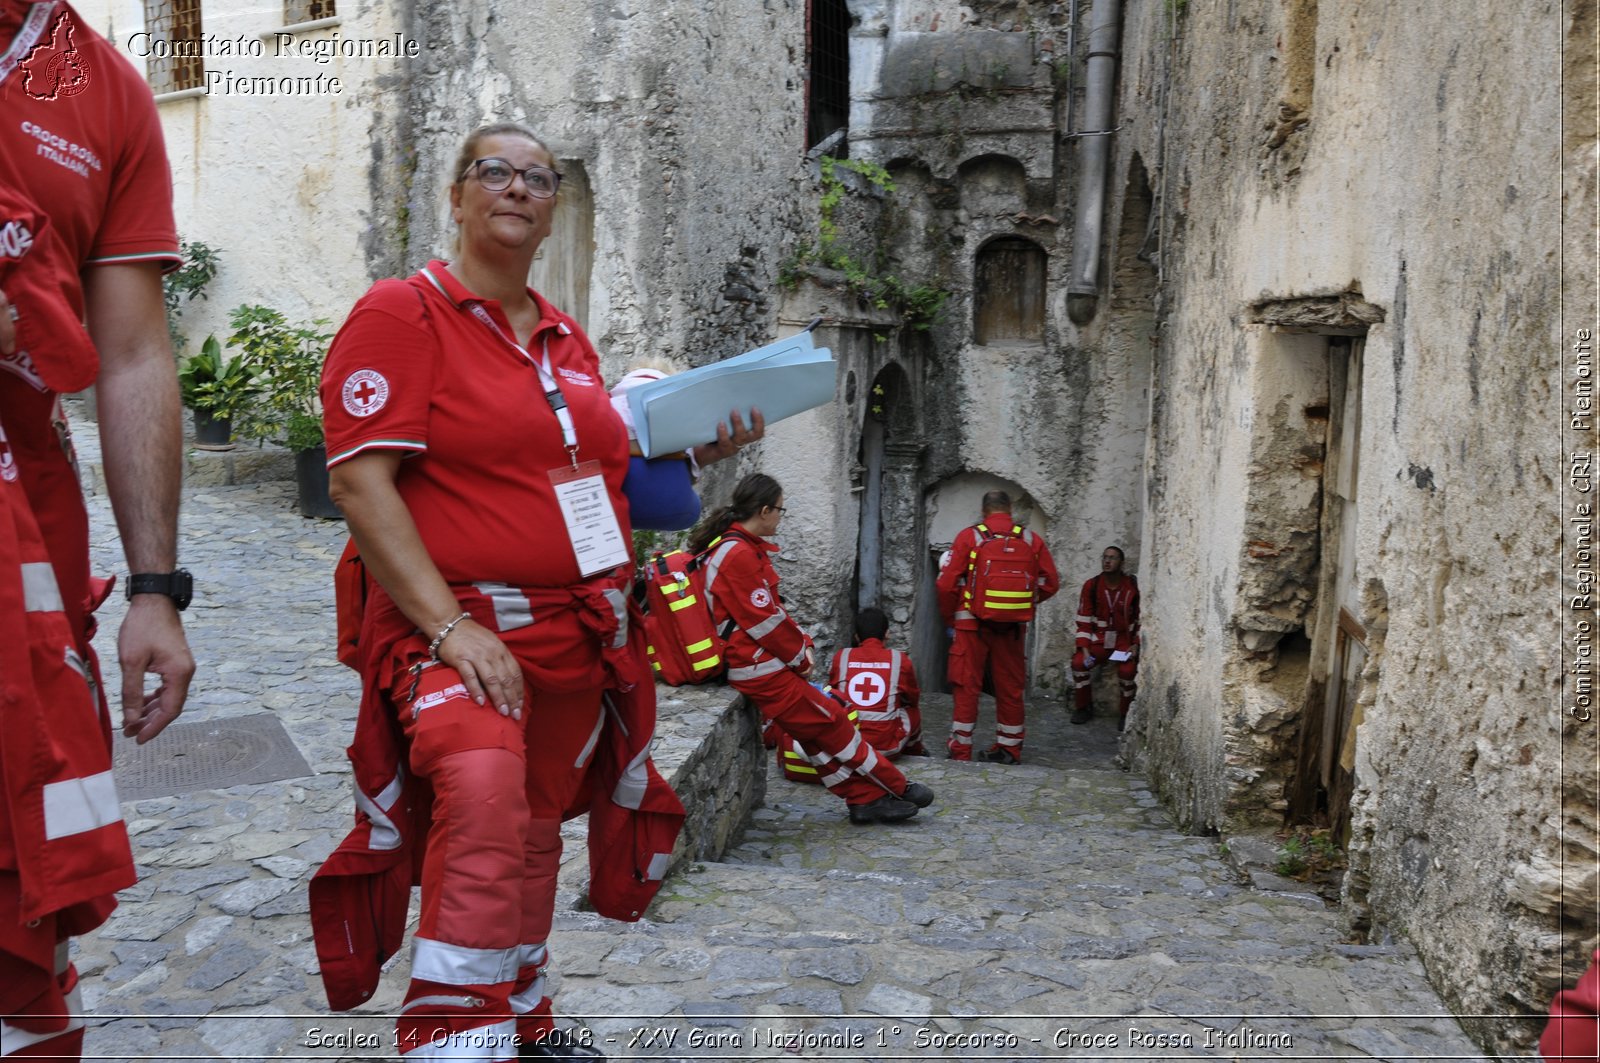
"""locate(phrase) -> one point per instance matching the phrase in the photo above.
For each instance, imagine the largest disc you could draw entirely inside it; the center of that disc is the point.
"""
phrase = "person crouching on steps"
(769, 657)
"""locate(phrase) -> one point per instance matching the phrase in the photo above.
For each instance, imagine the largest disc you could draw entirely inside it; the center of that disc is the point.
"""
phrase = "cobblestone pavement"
(1040, 911)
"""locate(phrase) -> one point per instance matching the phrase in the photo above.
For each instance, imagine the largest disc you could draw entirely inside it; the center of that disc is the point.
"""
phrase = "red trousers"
(1000, 648)
(51, 1024)
(846, 763)
(1082, 675)
(489, 876)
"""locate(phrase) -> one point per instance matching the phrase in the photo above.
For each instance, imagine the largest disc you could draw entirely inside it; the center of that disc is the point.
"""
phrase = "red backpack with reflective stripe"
(1001, 575)
(682, 638)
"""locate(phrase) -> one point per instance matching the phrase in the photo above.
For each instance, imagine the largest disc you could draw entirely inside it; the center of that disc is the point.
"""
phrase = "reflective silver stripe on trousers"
(440, 961)
(767, 626)
(850, 748)
(76, 664)
(836, 778)
(40, 594)
(619, 609)
(658, 867)
(964, 614)
(461, 1000)
(1007, 728)
(594, 738)
(497, 1041)
(962, 728)
(1083, 619)
(630, 788)
(877, 717)
(511, 607)
(756, 671)
(74, 806)
(529, 956)
(384, 836)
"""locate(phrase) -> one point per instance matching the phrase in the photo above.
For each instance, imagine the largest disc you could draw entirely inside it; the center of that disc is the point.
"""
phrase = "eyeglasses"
(496, 174)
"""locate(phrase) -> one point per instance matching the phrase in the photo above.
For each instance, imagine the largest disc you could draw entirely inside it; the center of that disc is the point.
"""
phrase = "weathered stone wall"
(693, 165)
(1305, 149)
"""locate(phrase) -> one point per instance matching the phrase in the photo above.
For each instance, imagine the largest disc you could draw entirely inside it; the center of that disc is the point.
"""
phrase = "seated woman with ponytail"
(769, 657)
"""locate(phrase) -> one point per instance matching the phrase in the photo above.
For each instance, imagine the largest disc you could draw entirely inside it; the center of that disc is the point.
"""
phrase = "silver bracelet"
(438, 640)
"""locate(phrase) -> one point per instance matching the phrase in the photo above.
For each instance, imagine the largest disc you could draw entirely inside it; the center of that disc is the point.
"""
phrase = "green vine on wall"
(918, 305)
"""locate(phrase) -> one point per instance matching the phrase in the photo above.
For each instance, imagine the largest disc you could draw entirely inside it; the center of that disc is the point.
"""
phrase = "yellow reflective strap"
(1007, 605)
(799, 769)
(1009, 594)
(699, 647)
(682, 603)
(709, 662)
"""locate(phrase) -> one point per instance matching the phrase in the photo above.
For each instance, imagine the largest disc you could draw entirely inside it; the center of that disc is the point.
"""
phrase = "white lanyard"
(28, 34)
(547, 378)
(1112, 603)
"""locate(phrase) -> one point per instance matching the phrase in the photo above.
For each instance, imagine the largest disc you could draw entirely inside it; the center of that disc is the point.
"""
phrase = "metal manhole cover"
(236, 751)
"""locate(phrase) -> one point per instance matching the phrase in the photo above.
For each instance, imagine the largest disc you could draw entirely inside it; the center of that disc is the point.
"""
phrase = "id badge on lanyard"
(586, 511)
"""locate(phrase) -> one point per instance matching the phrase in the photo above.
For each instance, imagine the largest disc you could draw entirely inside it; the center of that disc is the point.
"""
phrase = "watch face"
(182, 590)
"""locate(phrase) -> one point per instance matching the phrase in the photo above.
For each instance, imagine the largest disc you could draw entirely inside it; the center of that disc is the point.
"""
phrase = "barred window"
(828, 69)
(298, 11)
(176, 59)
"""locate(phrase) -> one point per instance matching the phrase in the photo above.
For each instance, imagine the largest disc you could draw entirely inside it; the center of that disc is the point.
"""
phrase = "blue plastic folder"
(781, 379)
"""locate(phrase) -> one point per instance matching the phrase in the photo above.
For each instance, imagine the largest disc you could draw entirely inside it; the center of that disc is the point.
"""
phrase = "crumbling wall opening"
(563, 268)
(828, 69)
(889, 499)
(1009, 292)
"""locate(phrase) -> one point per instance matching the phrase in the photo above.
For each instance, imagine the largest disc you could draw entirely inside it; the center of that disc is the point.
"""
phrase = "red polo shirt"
(79, 137)
(79, 132)
(415, 369)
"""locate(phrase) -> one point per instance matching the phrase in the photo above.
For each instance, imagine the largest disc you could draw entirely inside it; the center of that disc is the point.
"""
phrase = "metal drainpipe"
(1094, 152)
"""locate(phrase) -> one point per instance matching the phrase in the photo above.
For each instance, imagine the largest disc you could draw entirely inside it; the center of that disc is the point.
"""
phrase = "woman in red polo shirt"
(477, 458)
(770, 658)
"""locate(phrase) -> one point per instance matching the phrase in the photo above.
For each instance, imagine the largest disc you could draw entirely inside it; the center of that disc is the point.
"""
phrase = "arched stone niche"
(1009, 292)
(992, 186)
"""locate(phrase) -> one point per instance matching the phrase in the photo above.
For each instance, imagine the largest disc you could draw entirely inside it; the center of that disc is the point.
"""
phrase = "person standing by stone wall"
(1108, 633)
(988, 601)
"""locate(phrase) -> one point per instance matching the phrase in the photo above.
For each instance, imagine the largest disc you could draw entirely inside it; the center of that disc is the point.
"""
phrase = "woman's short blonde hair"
(469, 147)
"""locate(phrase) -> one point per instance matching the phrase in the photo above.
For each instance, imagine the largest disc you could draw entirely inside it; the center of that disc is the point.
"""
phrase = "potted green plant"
(216, 389)
(286, 362)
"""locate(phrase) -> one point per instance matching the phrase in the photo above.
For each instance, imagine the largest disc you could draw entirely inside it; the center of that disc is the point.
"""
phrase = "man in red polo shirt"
(87, 228)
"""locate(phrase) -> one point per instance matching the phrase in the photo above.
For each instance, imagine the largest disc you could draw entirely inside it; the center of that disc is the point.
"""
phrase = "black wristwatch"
(178, 585)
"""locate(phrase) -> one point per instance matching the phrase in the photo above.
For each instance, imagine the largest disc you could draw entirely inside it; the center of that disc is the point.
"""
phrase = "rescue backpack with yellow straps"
(1001, 574)
(684, 644)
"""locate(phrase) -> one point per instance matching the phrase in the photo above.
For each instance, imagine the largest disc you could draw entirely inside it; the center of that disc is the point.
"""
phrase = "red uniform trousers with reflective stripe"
(59, 817)
(1083, 675)
(500, 787)
(846, 763)
(1000, 648)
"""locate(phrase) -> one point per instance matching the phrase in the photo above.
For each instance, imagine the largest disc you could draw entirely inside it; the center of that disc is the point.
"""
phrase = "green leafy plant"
(647, 541)
(286, 362)
(918, 305)
(1306, 854)
(216, 385)
(187, 283)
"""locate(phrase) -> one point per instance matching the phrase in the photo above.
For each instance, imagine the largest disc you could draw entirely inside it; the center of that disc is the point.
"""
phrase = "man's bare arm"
(141, 444)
